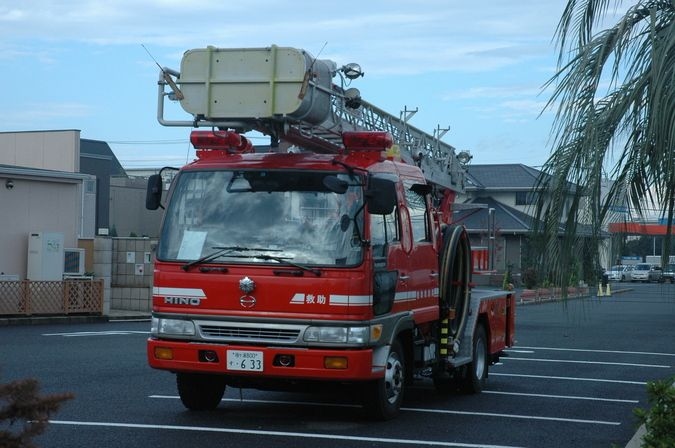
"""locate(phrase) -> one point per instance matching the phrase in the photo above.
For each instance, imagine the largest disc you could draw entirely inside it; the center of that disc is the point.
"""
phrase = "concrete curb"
(50, 320)
(636, 441)
(113, 316)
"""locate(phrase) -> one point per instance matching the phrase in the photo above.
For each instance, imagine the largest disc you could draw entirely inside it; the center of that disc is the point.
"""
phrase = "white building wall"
(50, 150)
(127, 209)
(35, 206)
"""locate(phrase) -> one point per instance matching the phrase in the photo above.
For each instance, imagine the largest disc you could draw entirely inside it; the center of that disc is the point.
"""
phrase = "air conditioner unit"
(73, 261)
(45, 256)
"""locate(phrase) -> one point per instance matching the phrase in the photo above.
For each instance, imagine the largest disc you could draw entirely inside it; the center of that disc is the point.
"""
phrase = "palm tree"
(615, 97)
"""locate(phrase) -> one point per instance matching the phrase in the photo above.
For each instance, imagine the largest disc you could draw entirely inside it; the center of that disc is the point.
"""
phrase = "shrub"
(507, 282)
(659, 419)
(530, 278)
(23, 413)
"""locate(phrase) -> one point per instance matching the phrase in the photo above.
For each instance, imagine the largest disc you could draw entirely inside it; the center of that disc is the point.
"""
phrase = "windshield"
(284, 217)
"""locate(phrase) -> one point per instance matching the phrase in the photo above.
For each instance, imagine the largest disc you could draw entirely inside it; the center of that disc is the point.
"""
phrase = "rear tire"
(383, 397)
(200, 392)
(477, 371)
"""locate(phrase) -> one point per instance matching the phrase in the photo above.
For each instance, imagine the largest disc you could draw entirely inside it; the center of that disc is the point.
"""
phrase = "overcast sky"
(477, 68)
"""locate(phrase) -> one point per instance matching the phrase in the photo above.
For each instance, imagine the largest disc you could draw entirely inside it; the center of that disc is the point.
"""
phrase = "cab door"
(422, 259)
(404, 255)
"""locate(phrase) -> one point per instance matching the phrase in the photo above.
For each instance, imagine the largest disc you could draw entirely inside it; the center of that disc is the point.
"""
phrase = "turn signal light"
(163, 353)
(335, 362)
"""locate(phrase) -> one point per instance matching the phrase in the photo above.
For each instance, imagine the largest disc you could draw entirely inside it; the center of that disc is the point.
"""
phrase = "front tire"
(200, 392)
(383, 397)
(477, 371)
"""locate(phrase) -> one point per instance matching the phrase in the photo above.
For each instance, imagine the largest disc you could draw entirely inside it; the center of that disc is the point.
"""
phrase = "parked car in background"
(614, 273)
(668, 273)
(645, 272)
(625, 274)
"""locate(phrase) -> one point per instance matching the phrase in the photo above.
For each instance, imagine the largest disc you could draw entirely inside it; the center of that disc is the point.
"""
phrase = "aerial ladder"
(289, 95)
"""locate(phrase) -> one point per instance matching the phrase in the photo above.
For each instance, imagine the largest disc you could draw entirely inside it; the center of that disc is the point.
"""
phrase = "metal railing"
(70, 296)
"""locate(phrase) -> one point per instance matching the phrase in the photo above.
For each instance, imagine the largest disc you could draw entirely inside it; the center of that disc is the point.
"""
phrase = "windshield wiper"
(284, 260)
(220, 251)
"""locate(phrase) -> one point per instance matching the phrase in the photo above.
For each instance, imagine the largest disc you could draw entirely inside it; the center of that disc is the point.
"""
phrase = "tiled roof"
(507, 219)
(502, 176)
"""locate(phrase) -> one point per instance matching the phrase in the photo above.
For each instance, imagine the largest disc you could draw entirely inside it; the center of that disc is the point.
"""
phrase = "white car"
(645, 272)
(614, 273)
(625, 273)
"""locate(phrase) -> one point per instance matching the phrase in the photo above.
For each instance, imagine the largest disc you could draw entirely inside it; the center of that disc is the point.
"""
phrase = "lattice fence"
(51, 297)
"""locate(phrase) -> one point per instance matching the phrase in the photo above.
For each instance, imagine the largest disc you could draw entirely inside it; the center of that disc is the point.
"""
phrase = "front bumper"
(308, 363)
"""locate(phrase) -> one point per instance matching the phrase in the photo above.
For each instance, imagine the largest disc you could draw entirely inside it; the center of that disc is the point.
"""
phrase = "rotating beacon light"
(229, 141)
(367, 141)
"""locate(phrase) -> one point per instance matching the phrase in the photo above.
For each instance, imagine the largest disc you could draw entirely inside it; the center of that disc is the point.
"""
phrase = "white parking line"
(620, 352)
(561, 397)
(626, 364)
(599, 380)
(428, 411)
(274, 433)
(516, 416)
(248, 400)
(95, 333)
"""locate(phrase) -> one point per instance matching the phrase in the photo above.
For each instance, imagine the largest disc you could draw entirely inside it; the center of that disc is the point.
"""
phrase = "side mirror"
(335, 184)
(381, 196)
(153, 195)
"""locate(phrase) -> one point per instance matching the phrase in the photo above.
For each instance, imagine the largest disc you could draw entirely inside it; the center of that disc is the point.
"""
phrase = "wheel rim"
(480, 358)
(393, 378)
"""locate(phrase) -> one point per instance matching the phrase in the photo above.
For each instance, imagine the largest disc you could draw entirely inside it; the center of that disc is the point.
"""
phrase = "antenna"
(319, 53)
(308, 74)
(169, 80)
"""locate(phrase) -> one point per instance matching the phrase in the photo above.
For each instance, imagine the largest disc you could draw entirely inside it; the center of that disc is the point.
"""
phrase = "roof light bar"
(221, 140)
(367, 141)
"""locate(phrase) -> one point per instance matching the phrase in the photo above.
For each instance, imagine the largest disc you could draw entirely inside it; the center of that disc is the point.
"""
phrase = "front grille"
(229, 332)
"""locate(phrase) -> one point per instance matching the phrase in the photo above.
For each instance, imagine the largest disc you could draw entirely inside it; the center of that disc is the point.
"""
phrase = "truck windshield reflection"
(289, 218)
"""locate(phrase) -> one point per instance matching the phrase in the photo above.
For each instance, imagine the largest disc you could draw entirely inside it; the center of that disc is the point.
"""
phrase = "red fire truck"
(328, 257)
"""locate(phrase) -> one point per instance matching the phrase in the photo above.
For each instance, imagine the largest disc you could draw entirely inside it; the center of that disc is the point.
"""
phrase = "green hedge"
(659, 419)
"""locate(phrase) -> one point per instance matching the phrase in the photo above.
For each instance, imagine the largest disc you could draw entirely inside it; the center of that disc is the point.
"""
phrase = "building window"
(89, 186)
(525, 198)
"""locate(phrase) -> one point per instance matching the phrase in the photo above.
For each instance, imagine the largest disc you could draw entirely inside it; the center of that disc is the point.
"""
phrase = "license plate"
(245, 360)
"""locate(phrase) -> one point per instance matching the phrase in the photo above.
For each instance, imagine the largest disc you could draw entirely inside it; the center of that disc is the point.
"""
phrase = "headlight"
(172, 327)
(343, 335)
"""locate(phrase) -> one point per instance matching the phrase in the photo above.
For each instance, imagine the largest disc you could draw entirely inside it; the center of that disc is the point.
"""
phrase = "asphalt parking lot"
(578, 371)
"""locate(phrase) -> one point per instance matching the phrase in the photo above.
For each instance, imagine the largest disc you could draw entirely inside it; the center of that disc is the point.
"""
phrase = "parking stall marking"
(251, 400)
(415, 442)
(514, 416)
(624, 364)
(96, 333)
(562, 397)
(569, 378)
(618, 352)
(423, 410)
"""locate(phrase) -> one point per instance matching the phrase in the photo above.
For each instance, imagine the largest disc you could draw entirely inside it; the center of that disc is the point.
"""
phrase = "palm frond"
(615, 98)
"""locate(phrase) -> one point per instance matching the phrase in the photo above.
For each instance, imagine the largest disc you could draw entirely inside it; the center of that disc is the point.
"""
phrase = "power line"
(146, 142)
(164, 142)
